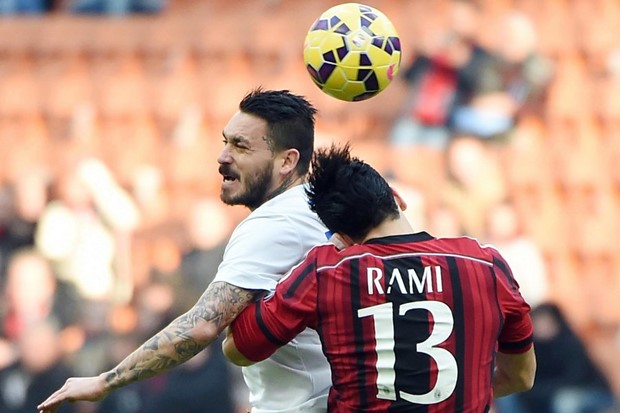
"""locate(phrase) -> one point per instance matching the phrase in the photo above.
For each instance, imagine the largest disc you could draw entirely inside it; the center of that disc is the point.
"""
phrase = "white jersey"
(262, 249)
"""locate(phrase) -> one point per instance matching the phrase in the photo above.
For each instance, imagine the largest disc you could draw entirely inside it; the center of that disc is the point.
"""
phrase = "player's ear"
(288, 159)
(399, 200)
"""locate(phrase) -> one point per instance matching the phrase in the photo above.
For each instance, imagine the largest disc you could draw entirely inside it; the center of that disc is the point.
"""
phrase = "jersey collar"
(401, 239)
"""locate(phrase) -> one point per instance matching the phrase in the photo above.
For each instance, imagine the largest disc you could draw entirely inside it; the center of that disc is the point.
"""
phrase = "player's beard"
(256, 188)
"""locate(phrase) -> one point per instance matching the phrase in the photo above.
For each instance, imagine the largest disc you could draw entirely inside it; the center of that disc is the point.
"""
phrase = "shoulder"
(468, 247)
(489, 252)
(318, 258)
(288, 212)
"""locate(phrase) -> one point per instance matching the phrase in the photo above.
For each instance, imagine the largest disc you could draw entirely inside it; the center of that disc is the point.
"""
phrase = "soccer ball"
(352, 52)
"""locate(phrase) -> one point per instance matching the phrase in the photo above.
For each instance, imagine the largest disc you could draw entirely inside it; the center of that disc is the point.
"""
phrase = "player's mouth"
(228, 177)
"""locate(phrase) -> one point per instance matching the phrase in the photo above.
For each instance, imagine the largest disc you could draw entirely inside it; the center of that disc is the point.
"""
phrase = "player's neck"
(286, 184)
(398, 226)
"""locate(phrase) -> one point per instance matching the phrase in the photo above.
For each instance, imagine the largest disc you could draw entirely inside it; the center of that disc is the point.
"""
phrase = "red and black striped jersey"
(409, 323)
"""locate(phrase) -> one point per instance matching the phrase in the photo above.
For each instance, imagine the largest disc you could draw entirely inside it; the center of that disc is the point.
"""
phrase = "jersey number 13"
(447, 369)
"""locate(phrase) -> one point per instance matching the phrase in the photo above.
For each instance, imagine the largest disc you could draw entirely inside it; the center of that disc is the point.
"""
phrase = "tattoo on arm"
(184, 337)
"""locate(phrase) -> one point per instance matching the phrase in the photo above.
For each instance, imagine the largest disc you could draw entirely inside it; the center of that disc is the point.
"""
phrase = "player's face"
(247, 162)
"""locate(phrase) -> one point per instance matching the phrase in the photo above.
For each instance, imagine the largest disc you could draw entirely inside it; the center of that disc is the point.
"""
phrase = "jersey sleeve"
(275, 320)
(259, 251)
(517, 331)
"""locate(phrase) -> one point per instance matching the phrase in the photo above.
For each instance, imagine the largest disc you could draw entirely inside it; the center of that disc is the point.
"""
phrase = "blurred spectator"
(38, 371)
(27, 199)
(504, 230)
(209, 226)
(444, 222)
(525, 72)
(475, 182)
(32, 294)
(147, 188)
(116, 7)
(80, 232)
(516, 87)
(567, 379)
(415, 200)
(447, 73)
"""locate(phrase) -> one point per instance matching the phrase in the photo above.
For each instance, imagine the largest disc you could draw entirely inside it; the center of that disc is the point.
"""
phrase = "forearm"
(172, 346)
(514, 373)
(184, 337)
(502, 384)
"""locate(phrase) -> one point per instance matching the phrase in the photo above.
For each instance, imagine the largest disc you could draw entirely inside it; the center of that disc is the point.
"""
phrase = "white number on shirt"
(443, 323)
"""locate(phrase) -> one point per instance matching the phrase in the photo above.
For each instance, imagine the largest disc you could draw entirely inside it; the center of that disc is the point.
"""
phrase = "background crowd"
(503, 124)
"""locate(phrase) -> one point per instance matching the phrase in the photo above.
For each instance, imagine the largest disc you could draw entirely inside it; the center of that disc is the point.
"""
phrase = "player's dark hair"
(348, 195)
(290, 121)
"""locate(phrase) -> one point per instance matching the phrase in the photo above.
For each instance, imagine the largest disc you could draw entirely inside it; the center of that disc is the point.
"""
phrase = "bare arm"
(178, 342)
(232, 353)
(514, 373)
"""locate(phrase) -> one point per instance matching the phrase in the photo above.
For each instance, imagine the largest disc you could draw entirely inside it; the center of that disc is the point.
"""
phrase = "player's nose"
(225, 156)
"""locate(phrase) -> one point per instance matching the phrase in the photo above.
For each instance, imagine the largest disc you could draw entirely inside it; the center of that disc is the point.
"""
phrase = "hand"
(74, 389)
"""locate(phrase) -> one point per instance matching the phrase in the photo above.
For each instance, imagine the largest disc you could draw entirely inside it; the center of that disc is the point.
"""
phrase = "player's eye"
(241, 145)
(238, 144)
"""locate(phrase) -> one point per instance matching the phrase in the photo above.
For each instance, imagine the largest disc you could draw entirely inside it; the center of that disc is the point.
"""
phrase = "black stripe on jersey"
(265, 330)
(502, 266)
(291, 290)
(498, 306)
(500, 318)
(358, 331)
(412, 367)
(517, 345)
(459, 328)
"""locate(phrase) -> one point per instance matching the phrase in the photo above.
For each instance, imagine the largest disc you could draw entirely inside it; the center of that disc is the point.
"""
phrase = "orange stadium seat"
(63, 34)
(24, 145)
(554, 23)
(120, 85)
(65, 82)
(608, 95)
(526, 161)
(19, 88)
(576, 154)
(597, 22)
(19, 35)
(172, 83)
(611, 154)
(568, 93)
(545, 218)
(565, 279)
(127, 144)
(420, 167)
